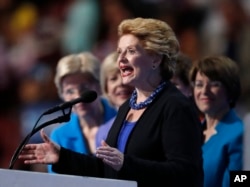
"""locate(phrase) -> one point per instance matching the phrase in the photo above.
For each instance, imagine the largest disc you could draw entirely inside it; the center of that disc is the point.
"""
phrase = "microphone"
(60, 119)
(86, 97)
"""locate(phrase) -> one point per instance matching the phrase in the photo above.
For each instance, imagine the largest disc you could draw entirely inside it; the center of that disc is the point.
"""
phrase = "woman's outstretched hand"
(43, 153)
(111, 156)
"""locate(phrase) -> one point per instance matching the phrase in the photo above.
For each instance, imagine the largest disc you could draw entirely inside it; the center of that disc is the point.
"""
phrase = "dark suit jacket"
(164, 148)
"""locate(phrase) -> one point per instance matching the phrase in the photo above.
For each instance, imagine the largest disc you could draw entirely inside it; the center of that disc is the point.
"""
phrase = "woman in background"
(113, 89)
(75, 74)
(216, 91)
(180, 78)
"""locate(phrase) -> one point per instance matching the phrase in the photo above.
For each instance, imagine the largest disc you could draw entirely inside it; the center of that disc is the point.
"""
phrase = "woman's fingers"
(103, 143)
(105, 153)
(29, 157)
(30, 162)
(30, 147)
(44, 136)
(27, 151)
(26, 156)
(39, 153)
(110, 156)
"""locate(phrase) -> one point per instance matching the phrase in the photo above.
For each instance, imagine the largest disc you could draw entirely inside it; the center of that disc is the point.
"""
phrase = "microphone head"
(88, 96)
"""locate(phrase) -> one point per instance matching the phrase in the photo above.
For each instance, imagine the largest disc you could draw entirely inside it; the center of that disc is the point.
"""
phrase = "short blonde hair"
(155, 36)
(84, 62)
(109, 64)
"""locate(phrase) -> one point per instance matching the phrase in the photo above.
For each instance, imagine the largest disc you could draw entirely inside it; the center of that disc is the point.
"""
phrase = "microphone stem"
(59, 119)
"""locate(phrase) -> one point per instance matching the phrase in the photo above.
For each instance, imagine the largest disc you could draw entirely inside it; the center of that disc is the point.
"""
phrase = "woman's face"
(210, 96)
(117, 92)
(73, 86)
(134, 62)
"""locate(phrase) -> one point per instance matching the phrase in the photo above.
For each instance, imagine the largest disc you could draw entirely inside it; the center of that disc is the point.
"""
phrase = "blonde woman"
(113, 89)
(156, 138)
(75, 74)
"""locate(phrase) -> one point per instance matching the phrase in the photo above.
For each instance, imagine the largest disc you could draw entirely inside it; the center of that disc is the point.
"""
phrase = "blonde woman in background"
(113, 89)
(75, 74)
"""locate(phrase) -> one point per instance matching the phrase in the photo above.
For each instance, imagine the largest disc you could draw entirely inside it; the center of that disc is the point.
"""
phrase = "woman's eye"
(198, 85)
(131, 51)
(112, 78)
(69, 92)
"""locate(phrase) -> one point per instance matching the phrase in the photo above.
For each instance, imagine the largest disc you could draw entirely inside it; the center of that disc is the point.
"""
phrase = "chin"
(205, 110)
(126, 81)
(82, 113)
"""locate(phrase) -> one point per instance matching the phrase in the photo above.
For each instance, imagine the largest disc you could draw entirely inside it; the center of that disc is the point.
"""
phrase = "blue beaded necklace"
(144, 104)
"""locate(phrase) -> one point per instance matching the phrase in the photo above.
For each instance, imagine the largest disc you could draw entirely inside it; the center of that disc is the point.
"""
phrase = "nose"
(122, 56)
(77, 93)
(205, 89)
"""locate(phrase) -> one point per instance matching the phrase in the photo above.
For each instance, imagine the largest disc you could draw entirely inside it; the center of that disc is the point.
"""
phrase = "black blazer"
(164, 148)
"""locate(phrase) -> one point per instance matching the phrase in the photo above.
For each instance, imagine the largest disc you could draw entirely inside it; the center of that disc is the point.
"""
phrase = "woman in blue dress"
(75, 74)
(217, 88)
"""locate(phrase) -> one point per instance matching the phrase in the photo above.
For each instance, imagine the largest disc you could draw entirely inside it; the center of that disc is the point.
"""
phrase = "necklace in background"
(144, 104)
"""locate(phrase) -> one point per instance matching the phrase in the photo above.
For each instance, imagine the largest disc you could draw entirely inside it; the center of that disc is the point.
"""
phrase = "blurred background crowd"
(35, 34)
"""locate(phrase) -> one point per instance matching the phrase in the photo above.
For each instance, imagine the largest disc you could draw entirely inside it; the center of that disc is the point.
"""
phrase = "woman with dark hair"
(216, 89)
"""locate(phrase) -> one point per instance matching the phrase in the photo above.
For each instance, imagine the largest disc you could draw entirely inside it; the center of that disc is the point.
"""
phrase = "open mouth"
(126, 71)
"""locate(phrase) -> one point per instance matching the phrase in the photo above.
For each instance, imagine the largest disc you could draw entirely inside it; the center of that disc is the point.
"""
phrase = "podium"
(17, 178)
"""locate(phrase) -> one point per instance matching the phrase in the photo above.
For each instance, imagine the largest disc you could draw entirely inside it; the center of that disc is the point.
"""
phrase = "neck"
(213, 119)
(141, 98)
(145, 91)
(93, 119)
(142, 95)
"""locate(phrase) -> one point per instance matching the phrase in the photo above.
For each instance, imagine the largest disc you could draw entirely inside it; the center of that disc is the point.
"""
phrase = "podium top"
(18, 178)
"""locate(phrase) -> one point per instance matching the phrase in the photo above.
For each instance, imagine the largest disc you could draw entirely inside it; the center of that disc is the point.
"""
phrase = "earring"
(153, 67)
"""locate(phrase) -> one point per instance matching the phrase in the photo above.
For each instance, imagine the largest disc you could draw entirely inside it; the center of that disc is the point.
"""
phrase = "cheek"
(141, 61)
(221, 92)
(196, 93)
(95, 88)
(221, 96)
(218, 92)
(110, 88)
(196, 96)
(112, 97)
(66, 98)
